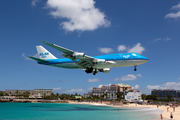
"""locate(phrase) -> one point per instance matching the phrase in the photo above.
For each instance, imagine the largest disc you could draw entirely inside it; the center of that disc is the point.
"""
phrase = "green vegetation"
(149, 97)
(26, 94)
(4, 94)
(120, 96)
(60, 96)
(1, 94)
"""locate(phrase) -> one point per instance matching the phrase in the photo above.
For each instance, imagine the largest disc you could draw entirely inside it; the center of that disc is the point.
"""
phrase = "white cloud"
(72, 91)
(174, 15)
(176, 6)
(34, 2)
(93, 80)
(56, 88)
(158, 39)
(139, 75)
(161, 39)
(128, 77)
(104, 85)
(137, 49)
(76, 90)
(90, 88)
(135, 87)
(121, 47)
(106, 50)
(26, 58)
(167, 39)
(81, 15)
(168, 85)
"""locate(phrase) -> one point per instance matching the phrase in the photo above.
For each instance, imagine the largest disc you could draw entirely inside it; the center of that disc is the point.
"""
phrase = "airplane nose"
(146, 58)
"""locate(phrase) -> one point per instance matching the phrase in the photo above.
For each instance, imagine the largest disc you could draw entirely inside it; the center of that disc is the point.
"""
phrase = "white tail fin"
(43, 53)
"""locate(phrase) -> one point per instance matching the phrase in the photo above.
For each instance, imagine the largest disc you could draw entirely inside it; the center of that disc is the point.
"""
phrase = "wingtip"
(30, 57)
(43, 41)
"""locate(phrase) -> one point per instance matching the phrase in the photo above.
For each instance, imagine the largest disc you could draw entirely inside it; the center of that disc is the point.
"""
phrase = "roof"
(123, 85)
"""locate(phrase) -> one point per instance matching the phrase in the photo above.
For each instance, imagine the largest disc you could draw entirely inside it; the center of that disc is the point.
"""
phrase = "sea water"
(64, 111)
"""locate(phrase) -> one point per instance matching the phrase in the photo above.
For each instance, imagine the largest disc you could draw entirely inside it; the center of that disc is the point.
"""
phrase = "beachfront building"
(39, 93)
(109, 92)
(36, 93)
(132, 95)
(86, 95)
(17, 92)
(163, 93)
(123, 87)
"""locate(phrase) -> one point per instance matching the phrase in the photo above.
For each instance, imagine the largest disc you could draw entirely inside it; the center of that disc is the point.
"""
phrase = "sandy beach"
(165, 114)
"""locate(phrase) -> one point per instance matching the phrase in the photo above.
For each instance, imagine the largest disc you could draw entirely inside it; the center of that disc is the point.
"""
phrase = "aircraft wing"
(85, 60)
(62, 49)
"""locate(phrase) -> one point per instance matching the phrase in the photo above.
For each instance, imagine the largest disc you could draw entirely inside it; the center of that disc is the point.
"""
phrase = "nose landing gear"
(135, 68)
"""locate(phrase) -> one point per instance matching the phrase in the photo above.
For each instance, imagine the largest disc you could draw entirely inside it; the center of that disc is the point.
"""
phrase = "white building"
(109, 92)
(132, 95)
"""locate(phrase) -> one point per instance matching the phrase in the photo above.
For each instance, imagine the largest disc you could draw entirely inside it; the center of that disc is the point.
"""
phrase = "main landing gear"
(135, 68)
(95, 71)
(91, 70)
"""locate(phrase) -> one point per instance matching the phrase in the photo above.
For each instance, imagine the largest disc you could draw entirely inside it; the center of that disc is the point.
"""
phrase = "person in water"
(161, 116)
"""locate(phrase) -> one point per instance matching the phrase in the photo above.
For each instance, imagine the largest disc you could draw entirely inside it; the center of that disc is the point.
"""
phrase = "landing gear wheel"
(135, 68)
(94, 73)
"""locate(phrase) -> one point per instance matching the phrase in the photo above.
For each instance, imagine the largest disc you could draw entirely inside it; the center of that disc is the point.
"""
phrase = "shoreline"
(165, 113)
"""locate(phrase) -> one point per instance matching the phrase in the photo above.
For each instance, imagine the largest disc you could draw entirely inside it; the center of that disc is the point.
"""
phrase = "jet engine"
(100, 61)
(77, 55)
(105, 70)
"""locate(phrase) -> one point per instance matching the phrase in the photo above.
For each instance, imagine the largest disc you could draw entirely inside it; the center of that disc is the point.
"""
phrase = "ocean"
(64, 111)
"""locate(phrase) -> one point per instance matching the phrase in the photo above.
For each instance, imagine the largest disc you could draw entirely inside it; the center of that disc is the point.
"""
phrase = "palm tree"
(105, 94)
(17, 93)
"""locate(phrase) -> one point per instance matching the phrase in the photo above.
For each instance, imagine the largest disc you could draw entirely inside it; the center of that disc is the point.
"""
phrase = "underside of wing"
(85, 63)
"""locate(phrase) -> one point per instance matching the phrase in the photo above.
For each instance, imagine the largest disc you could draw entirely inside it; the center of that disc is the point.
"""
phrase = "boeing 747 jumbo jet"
(76, 60)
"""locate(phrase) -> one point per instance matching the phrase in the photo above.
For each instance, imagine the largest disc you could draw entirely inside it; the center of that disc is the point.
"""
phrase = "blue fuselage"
(119, 59)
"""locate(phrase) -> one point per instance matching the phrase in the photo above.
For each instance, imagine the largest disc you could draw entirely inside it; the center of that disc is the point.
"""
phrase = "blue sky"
(95, 27)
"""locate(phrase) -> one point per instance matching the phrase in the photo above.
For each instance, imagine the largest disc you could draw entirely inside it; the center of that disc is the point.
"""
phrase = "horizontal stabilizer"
(38, 60)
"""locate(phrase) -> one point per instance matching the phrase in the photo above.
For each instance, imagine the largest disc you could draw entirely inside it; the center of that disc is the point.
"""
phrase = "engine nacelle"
(100, 61)
(105, 70)
(77, 55)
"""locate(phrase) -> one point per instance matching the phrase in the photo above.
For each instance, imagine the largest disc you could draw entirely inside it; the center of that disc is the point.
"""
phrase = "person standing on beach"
(161, 116)
(171, 116)
(173, 108)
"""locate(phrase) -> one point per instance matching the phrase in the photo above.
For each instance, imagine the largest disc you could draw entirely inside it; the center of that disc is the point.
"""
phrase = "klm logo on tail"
(43, 55)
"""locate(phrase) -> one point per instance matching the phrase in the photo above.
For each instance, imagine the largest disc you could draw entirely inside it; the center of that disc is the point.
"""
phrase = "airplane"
(77, 60)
